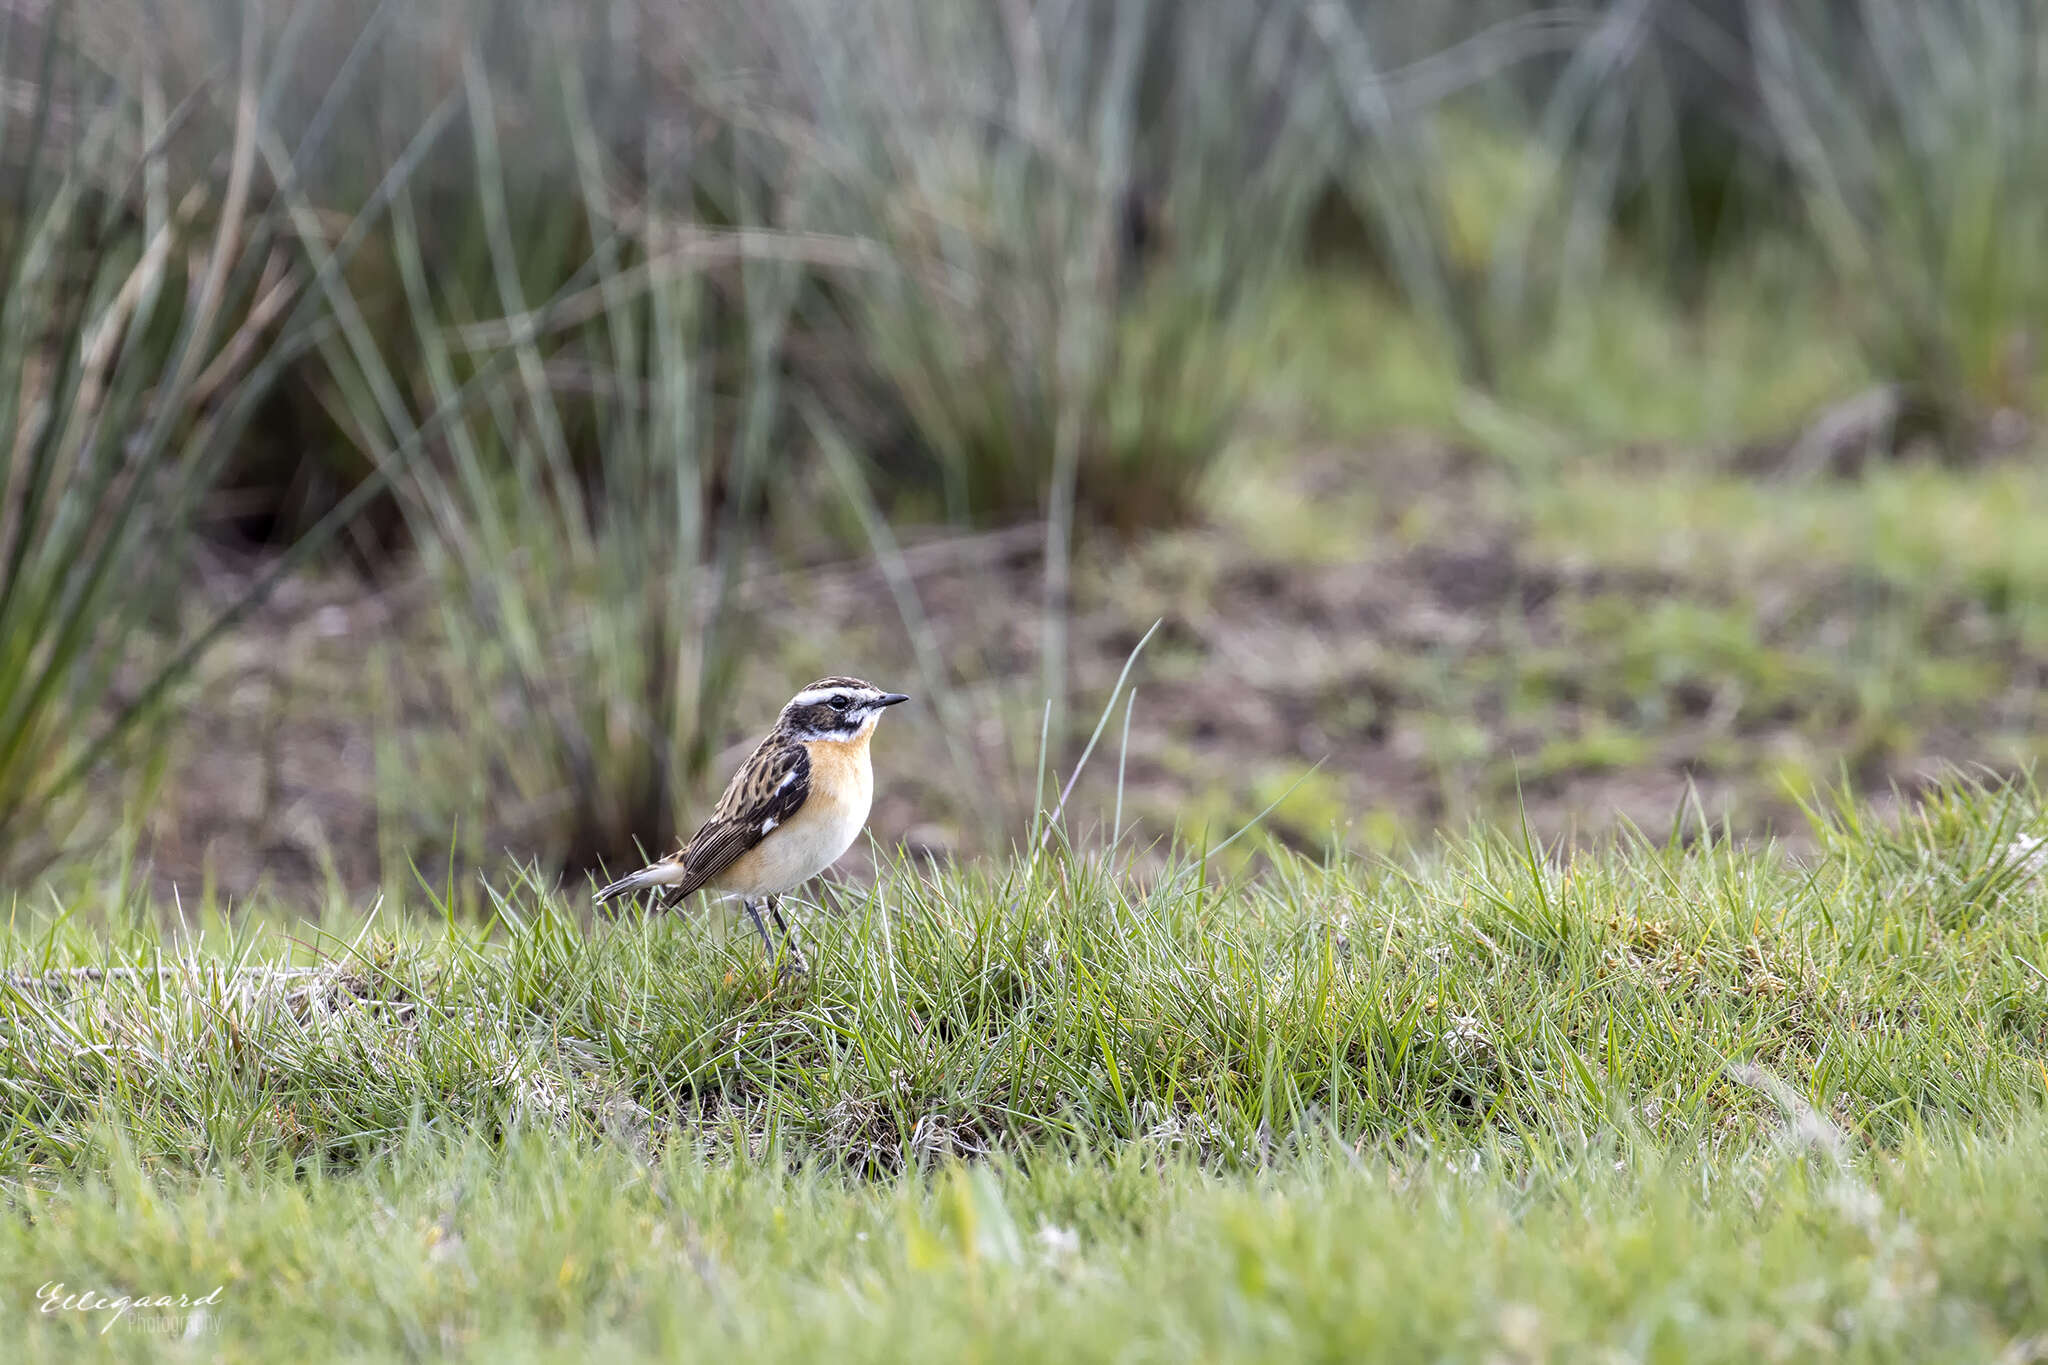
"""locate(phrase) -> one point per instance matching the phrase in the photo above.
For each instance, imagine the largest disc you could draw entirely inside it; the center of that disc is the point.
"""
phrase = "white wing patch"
(787, 778)
(771, 822)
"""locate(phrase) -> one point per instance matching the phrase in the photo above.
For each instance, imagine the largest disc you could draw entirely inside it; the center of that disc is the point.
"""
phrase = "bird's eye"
(840, 703)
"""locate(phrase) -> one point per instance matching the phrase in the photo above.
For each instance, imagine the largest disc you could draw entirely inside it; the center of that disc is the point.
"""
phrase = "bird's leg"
(794, 963)
(753, 909)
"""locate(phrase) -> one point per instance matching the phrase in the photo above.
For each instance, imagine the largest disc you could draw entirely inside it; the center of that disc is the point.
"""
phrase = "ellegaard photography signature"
(159, 1312)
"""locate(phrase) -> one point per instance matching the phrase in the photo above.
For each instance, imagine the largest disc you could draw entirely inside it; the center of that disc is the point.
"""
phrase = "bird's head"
(837, 708)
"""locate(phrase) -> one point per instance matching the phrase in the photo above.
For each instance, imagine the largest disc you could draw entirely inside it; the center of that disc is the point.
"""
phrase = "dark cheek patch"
(821, 719)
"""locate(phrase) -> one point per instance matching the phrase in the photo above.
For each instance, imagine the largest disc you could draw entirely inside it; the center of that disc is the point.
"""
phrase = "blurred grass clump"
(144, 319)
(595, 462)
(1074, 202)
(1916, 135)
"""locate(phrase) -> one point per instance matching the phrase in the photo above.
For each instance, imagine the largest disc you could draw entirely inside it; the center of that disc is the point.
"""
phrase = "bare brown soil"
(1400, 684)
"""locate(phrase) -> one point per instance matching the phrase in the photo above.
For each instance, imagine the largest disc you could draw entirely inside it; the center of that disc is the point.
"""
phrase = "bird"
(793, 807)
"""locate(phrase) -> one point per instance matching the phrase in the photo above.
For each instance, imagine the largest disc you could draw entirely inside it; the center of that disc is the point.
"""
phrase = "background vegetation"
(541, 362)
(437, 434)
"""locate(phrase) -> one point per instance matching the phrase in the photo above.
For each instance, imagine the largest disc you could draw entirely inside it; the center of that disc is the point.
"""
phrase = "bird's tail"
(664, 873)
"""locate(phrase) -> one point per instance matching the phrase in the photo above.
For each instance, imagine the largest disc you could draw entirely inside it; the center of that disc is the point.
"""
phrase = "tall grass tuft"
(1491, 161)
(1918, 134)
(1073, 200)
(597, 428)
(138, 331)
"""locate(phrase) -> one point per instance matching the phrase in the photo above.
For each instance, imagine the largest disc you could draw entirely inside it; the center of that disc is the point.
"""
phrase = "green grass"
(1621, 366)
(1916, 529)
(1684, 1103)
(536, 1252)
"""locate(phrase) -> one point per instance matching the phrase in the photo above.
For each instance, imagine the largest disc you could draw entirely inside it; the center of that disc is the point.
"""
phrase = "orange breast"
(825, 826)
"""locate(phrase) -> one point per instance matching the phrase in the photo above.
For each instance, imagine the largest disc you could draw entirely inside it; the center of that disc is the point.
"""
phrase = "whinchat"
(794, 806)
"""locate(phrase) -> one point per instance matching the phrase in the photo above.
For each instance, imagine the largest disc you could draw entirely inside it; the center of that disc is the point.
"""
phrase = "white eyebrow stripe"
(812, 696)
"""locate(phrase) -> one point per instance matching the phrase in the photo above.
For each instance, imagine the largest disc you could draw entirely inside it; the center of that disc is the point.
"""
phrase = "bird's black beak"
(892, 698)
